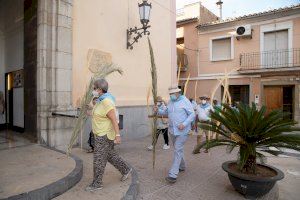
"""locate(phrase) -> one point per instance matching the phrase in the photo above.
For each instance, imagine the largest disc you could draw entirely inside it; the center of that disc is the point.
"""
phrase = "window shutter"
(221, 49)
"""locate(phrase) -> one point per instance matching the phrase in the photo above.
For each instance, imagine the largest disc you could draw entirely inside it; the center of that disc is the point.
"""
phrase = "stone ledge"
(56, 188)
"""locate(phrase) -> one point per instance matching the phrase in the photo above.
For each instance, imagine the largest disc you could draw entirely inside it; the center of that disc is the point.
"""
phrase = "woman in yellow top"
(106, 130)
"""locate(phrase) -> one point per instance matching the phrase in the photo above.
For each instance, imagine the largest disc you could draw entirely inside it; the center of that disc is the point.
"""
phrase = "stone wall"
(54, 71)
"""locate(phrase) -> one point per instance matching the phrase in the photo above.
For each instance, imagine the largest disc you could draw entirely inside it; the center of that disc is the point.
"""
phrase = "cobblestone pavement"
(204, 178)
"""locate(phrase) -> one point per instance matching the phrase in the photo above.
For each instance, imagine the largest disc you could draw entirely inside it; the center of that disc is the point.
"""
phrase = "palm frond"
(249, 127)
(105, 68)
(212, 143)
(154, 93)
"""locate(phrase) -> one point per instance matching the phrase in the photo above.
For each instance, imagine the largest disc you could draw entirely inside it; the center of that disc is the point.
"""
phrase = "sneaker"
(170, 179)
(90, 151)
(125, 176)
(150, 148)
(165, 147)
(92, 188)
(181, 170)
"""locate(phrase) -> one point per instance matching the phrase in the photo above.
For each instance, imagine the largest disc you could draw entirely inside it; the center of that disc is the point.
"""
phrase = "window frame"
(231, 47)
(274, 27)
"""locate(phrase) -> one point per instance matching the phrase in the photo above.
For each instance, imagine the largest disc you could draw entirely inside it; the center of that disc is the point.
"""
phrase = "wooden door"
(273, 98)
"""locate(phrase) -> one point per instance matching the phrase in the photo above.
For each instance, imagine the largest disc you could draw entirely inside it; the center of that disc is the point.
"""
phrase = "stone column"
(54, 71)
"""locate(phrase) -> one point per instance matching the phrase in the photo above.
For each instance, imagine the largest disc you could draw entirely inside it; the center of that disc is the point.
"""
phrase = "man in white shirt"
(203, 113)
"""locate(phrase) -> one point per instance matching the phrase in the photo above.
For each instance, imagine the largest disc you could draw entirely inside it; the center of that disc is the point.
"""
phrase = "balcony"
(270, 61)
(182, 60)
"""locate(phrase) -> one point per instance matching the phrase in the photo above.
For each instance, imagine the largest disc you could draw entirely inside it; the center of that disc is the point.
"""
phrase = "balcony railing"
(270, 59)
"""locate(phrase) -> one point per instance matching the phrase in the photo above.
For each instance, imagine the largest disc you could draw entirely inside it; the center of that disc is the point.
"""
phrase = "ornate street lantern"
(144, 10)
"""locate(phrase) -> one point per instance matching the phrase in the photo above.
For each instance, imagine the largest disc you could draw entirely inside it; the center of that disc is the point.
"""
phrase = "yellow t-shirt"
(101, 124)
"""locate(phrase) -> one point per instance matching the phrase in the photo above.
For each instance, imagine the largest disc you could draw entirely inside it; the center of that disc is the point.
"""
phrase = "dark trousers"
(104, 152)
(165, 133)
(91, 140)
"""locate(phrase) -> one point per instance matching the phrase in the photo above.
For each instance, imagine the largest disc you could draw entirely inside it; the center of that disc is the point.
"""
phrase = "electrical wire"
(197, 50)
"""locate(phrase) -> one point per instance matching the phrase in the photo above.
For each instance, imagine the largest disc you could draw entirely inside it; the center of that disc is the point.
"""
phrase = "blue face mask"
(173, 97)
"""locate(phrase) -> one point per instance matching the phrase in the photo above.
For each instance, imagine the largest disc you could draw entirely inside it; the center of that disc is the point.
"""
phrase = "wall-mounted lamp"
(144, 9)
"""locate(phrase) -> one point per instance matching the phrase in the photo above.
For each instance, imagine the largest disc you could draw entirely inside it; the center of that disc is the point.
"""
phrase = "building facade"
(261, 54)
(187, 38)
(44, 46)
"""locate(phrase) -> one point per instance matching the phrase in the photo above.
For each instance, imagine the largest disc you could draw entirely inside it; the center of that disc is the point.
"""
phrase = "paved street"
(204, 178)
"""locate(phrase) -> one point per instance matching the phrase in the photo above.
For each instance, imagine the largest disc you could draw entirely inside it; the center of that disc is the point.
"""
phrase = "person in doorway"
(106, 130)
(203, 113)
(162, 124)
(181, 114)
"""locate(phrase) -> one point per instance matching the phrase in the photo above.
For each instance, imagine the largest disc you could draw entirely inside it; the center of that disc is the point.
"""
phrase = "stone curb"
(133, 190)
(56, 188)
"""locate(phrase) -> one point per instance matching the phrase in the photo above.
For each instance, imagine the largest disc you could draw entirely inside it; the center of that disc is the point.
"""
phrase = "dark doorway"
(9, 100)
(288, 96)
(238, 93)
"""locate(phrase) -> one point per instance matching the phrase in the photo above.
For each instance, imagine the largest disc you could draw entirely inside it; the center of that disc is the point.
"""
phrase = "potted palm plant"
(251, 129)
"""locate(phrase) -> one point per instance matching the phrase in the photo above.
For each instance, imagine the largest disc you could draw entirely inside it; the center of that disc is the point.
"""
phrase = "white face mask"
(159, 103)
(95, 93)
(203, 101)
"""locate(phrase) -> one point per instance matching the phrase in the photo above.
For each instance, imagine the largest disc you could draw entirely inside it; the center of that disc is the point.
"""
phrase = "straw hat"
(205, 96)
(174, 89)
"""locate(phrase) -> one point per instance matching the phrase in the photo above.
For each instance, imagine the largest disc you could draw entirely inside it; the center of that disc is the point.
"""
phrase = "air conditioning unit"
(243, 31)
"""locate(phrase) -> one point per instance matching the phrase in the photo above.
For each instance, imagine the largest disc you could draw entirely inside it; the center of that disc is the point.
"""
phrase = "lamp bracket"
(138, 32)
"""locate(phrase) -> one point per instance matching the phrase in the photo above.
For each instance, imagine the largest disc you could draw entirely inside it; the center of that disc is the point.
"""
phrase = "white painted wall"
(18, 118)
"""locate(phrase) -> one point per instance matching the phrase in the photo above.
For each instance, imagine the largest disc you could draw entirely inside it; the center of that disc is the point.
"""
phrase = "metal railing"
(270, 59)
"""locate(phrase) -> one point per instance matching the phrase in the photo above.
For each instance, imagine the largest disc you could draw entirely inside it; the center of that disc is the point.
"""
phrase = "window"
(275, 49)
(276, 40)
(221, 49)
(238, 93)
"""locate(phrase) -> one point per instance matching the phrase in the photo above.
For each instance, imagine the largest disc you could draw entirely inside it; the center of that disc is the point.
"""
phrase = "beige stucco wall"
(102, 24)
(191, 46)
(240, 46)
(209, 71)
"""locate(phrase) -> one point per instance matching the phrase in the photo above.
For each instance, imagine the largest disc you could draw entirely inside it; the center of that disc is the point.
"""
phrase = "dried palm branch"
(196, 86)
(179, 71)
(154, 94)
(186, 84)
(100, 65)
(148, 99)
